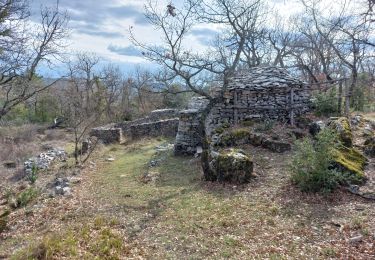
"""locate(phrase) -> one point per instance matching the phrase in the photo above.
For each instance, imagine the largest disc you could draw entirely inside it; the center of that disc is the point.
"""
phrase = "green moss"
(240, 133)
(342, 127)
(247, 123)
(235, 136)
(351, 160)
(233, 166)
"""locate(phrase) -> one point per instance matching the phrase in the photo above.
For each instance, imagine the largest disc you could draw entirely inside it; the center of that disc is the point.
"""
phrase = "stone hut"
(261, 93)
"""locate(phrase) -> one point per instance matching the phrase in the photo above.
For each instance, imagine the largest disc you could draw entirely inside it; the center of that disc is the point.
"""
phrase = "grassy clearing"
(178, 216)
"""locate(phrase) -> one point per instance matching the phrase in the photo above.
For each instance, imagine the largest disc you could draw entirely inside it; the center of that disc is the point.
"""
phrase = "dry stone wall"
(162, 122)
(167, 128)
(108, 134)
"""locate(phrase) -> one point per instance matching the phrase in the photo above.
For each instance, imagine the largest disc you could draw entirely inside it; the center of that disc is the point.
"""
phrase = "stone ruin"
(162, 122)
(262, 93)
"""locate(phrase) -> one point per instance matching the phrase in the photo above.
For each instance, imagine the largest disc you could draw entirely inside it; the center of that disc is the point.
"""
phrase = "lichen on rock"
(350, 160)
(342, 126)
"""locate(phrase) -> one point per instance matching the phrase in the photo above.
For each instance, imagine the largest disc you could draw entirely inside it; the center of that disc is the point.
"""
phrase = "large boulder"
(231, 165)
(342, 126)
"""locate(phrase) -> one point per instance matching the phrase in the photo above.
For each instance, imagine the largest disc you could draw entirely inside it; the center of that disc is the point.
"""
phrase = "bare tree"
(86, 101)
(24, 49)
(112, 80)
(218, 63)
(347, 35)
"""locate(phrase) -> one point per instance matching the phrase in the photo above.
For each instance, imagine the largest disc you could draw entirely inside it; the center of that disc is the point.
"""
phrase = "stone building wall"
(264, 93)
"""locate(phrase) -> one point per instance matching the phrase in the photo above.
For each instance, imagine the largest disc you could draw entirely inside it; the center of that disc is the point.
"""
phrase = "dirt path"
(118, 211)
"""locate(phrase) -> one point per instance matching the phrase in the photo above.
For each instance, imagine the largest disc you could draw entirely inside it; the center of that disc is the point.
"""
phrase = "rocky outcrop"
(349, 159)
(342, 126)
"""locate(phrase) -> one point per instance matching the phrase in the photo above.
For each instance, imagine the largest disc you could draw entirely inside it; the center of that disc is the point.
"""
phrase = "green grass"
(95, 241)
(178, 216)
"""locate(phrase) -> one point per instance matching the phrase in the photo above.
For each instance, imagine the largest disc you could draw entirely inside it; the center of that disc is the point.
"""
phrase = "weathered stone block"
(232, 166)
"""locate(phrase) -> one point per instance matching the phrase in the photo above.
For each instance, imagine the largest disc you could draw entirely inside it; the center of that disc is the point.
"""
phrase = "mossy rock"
(351, 160)
(235, 137)
(233, 166)
(342, 126)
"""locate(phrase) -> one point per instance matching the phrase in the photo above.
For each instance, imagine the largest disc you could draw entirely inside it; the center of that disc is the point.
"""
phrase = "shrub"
(34, 174)
(326, 103)
(311, 164)
(26, 197)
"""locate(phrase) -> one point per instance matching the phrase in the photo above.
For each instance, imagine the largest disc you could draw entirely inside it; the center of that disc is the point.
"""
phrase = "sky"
(101, 26)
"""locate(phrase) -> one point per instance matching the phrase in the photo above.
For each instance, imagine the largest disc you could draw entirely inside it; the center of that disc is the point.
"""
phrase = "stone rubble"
(44, 160)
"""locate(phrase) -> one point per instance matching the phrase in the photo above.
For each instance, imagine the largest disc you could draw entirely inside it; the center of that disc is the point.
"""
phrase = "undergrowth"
(311, 164)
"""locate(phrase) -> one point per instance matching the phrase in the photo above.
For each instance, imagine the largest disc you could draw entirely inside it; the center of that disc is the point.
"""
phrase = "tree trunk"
(339, 100)
(347, 100)
(349, 93)
(205, 158)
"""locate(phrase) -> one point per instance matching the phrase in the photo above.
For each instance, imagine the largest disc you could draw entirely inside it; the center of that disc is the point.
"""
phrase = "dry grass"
(181, 217)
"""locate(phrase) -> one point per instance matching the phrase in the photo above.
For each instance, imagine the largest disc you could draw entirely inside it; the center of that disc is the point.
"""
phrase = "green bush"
(326, 103)
(311, 165)
(26, 197)
(34, 174)
(19, 114)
